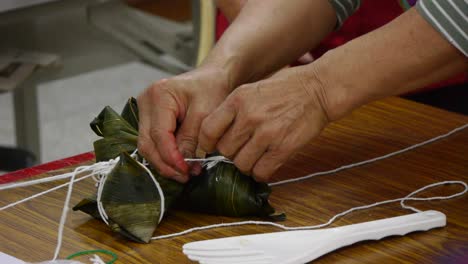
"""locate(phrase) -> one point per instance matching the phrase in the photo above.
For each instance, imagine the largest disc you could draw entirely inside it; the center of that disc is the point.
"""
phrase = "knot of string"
(100, 170)
(210, 162)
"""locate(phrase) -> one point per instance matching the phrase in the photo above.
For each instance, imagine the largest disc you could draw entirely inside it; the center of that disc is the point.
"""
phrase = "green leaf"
(118, 135)
(130, 112)
(224, 190)
(131, 199)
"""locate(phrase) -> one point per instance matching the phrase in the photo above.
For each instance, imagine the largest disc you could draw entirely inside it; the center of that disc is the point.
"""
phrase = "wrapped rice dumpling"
(224, 190)
(129, 196)
(130, 113)
(117, 135)
(131, 200)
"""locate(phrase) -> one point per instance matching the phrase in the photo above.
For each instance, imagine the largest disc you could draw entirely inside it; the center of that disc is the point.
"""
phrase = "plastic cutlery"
(294, 247)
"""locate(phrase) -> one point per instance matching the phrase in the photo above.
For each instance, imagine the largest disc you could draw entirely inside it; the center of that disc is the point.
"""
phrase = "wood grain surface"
(28, 231)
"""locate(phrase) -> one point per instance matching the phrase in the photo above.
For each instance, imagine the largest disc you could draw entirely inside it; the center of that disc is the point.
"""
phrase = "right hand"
(171, 112)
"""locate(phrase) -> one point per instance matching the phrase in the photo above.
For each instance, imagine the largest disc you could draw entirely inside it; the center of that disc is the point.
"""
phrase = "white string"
(160, 191)
(103, 168)
(102, 181)
(34, 182)
(210, 162)
(100, 207)
(349, 166)
(335, 217)
(97, 168)
(43, 192)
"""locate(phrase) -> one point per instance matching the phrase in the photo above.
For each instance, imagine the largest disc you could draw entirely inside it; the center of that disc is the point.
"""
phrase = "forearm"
(406, 54)
(268, 35)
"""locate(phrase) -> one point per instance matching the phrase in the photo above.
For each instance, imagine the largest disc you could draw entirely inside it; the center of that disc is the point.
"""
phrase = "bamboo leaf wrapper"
(131, 200)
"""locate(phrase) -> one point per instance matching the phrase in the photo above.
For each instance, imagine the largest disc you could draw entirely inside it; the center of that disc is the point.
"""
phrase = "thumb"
(187, 138)
(187, 133)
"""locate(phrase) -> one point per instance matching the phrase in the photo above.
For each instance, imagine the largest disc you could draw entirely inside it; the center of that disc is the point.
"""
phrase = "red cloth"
(47, 167)
(371, 15)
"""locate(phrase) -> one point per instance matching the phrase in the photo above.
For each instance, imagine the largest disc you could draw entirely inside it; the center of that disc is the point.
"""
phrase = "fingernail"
(180, 177)
(186, 154)
(182, 166)
(195, 169)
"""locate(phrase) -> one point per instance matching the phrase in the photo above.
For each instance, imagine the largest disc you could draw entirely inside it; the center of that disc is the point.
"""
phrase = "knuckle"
(187, 140)
(157, 90)
(200, 114)
(144, 146)
(188, 143)
(154, 134)
(224, 149)
(237, 97)
(205, 144)
(283, 152)
(276, 156)
(260, 174)
(267, 134)
(206, 132)
(162, 170)
(253, 118)
(243, 166)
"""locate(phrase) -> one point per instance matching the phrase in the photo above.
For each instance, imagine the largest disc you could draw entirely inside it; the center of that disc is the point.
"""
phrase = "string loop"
(335, 217)
(100, 170)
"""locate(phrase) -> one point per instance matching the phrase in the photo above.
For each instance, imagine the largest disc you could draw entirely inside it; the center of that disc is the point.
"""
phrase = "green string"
(88, 252)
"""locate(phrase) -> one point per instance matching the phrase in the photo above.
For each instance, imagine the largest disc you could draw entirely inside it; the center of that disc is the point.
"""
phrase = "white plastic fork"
(296, 247)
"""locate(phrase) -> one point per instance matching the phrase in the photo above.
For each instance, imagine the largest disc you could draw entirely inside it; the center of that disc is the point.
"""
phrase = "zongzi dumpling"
(224, 190)
(131, 200)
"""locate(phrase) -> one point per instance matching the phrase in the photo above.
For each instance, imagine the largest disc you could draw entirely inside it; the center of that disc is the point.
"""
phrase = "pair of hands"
(258, 125)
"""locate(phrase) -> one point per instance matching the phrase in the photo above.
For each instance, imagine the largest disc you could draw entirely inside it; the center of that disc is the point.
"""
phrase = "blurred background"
(62, 61)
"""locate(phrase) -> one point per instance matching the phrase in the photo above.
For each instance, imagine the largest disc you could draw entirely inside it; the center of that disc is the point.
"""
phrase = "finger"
(143, 113)
(236, 136)
(187, 138)
(270, 162)
(195, 168)
(187, 133)
(166, 170)
(214, 126)
(163, 118)
(146, 146)
(162, 130)
(251, 152)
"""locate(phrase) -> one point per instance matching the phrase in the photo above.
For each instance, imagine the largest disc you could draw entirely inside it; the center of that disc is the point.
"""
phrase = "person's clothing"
(449, 17)
(358, 17)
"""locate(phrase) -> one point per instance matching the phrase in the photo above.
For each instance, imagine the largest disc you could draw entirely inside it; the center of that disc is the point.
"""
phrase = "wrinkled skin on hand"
(260, 125)
(171, 112)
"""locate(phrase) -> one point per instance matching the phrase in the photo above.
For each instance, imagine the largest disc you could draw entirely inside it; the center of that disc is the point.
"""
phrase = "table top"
(28, 231)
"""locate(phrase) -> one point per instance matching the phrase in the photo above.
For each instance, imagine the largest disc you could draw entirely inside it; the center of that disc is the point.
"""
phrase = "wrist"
(227, 67)
(338, 93)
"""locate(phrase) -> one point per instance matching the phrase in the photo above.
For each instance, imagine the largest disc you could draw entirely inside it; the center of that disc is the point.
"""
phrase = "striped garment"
(449, 17)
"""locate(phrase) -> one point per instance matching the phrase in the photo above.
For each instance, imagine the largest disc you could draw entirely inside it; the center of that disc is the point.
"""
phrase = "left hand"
(260, 125)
